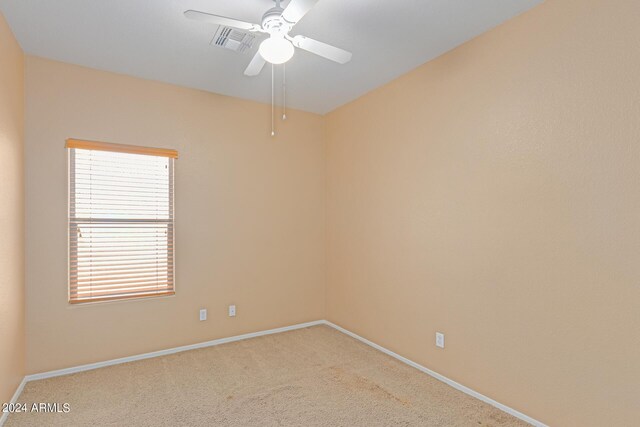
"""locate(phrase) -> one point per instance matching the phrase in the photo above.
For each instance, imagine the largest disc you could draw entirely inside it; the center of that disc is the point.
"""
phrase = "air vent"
(232, 39)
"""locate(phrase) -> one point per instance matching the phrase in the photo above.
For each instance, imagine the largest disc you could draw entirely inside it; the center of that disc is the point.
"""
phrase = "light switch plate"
(439, 339)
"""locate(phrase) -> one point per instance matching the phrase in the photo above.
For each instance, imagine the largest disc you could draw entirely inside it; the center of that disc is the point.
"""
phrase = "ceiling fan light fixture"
(276, 50)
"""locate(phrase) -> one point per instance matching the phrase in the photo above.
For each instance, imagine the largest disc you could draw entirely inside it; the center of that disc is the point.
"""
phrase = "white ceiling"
(152, 39)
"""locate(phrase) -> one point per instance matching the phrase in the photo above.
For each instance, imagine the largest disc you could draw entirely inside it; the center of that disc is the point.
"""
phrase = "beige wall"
(12, 329)
(250, 217)
(492, 195)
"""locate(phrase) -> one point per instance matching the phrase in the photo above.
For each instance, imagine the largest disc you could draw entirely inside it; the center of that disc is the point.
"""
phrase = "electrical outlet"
(439, 339)
(203, 314)
(232, 311)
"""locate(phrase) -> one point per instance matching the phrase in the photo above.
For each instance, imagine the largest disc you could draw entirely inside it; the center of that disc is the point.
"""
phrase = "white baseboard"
(14, 399)
(442, 378)
(97, 365)
(428, 371)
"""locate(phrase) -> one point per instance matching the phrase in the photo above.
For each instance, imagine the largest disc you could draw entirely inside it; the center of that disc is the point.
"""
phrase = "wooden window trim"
(120, 148)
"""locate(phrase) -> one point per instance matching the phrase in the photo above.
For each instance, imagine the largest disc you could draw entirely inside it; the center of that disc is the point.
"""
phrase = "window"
(120, 221)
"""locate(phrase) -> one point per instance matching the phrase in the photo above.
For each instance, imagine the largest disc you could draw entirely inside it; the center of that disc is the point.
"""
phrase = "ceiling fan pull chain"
(284, 91)
(273, 130)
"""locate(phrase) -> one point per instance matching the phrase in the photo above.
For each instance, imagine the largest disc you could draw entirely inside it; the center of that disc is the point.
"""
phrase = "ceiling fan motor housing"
(274, 23)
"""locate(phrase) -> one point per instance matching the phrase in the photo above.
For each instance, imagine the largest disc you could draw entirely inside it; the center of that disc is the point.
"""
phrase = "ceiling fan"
(279, 47)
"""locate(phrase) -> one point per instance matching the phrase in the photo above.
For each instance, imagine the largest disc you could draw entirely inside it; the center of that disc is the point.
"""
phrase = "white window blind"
(121, 221)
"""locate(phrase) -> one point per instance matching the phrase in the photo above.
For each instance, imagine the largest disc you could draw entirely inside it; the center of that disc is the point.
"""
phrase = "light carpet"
(315, 376)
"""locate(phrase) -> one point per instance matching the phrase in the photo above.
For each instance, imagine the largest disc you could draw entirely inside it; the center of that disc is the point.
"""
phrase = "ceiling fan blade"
(221, 20)
(322, 49)
(297, 9)
(255, 66)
